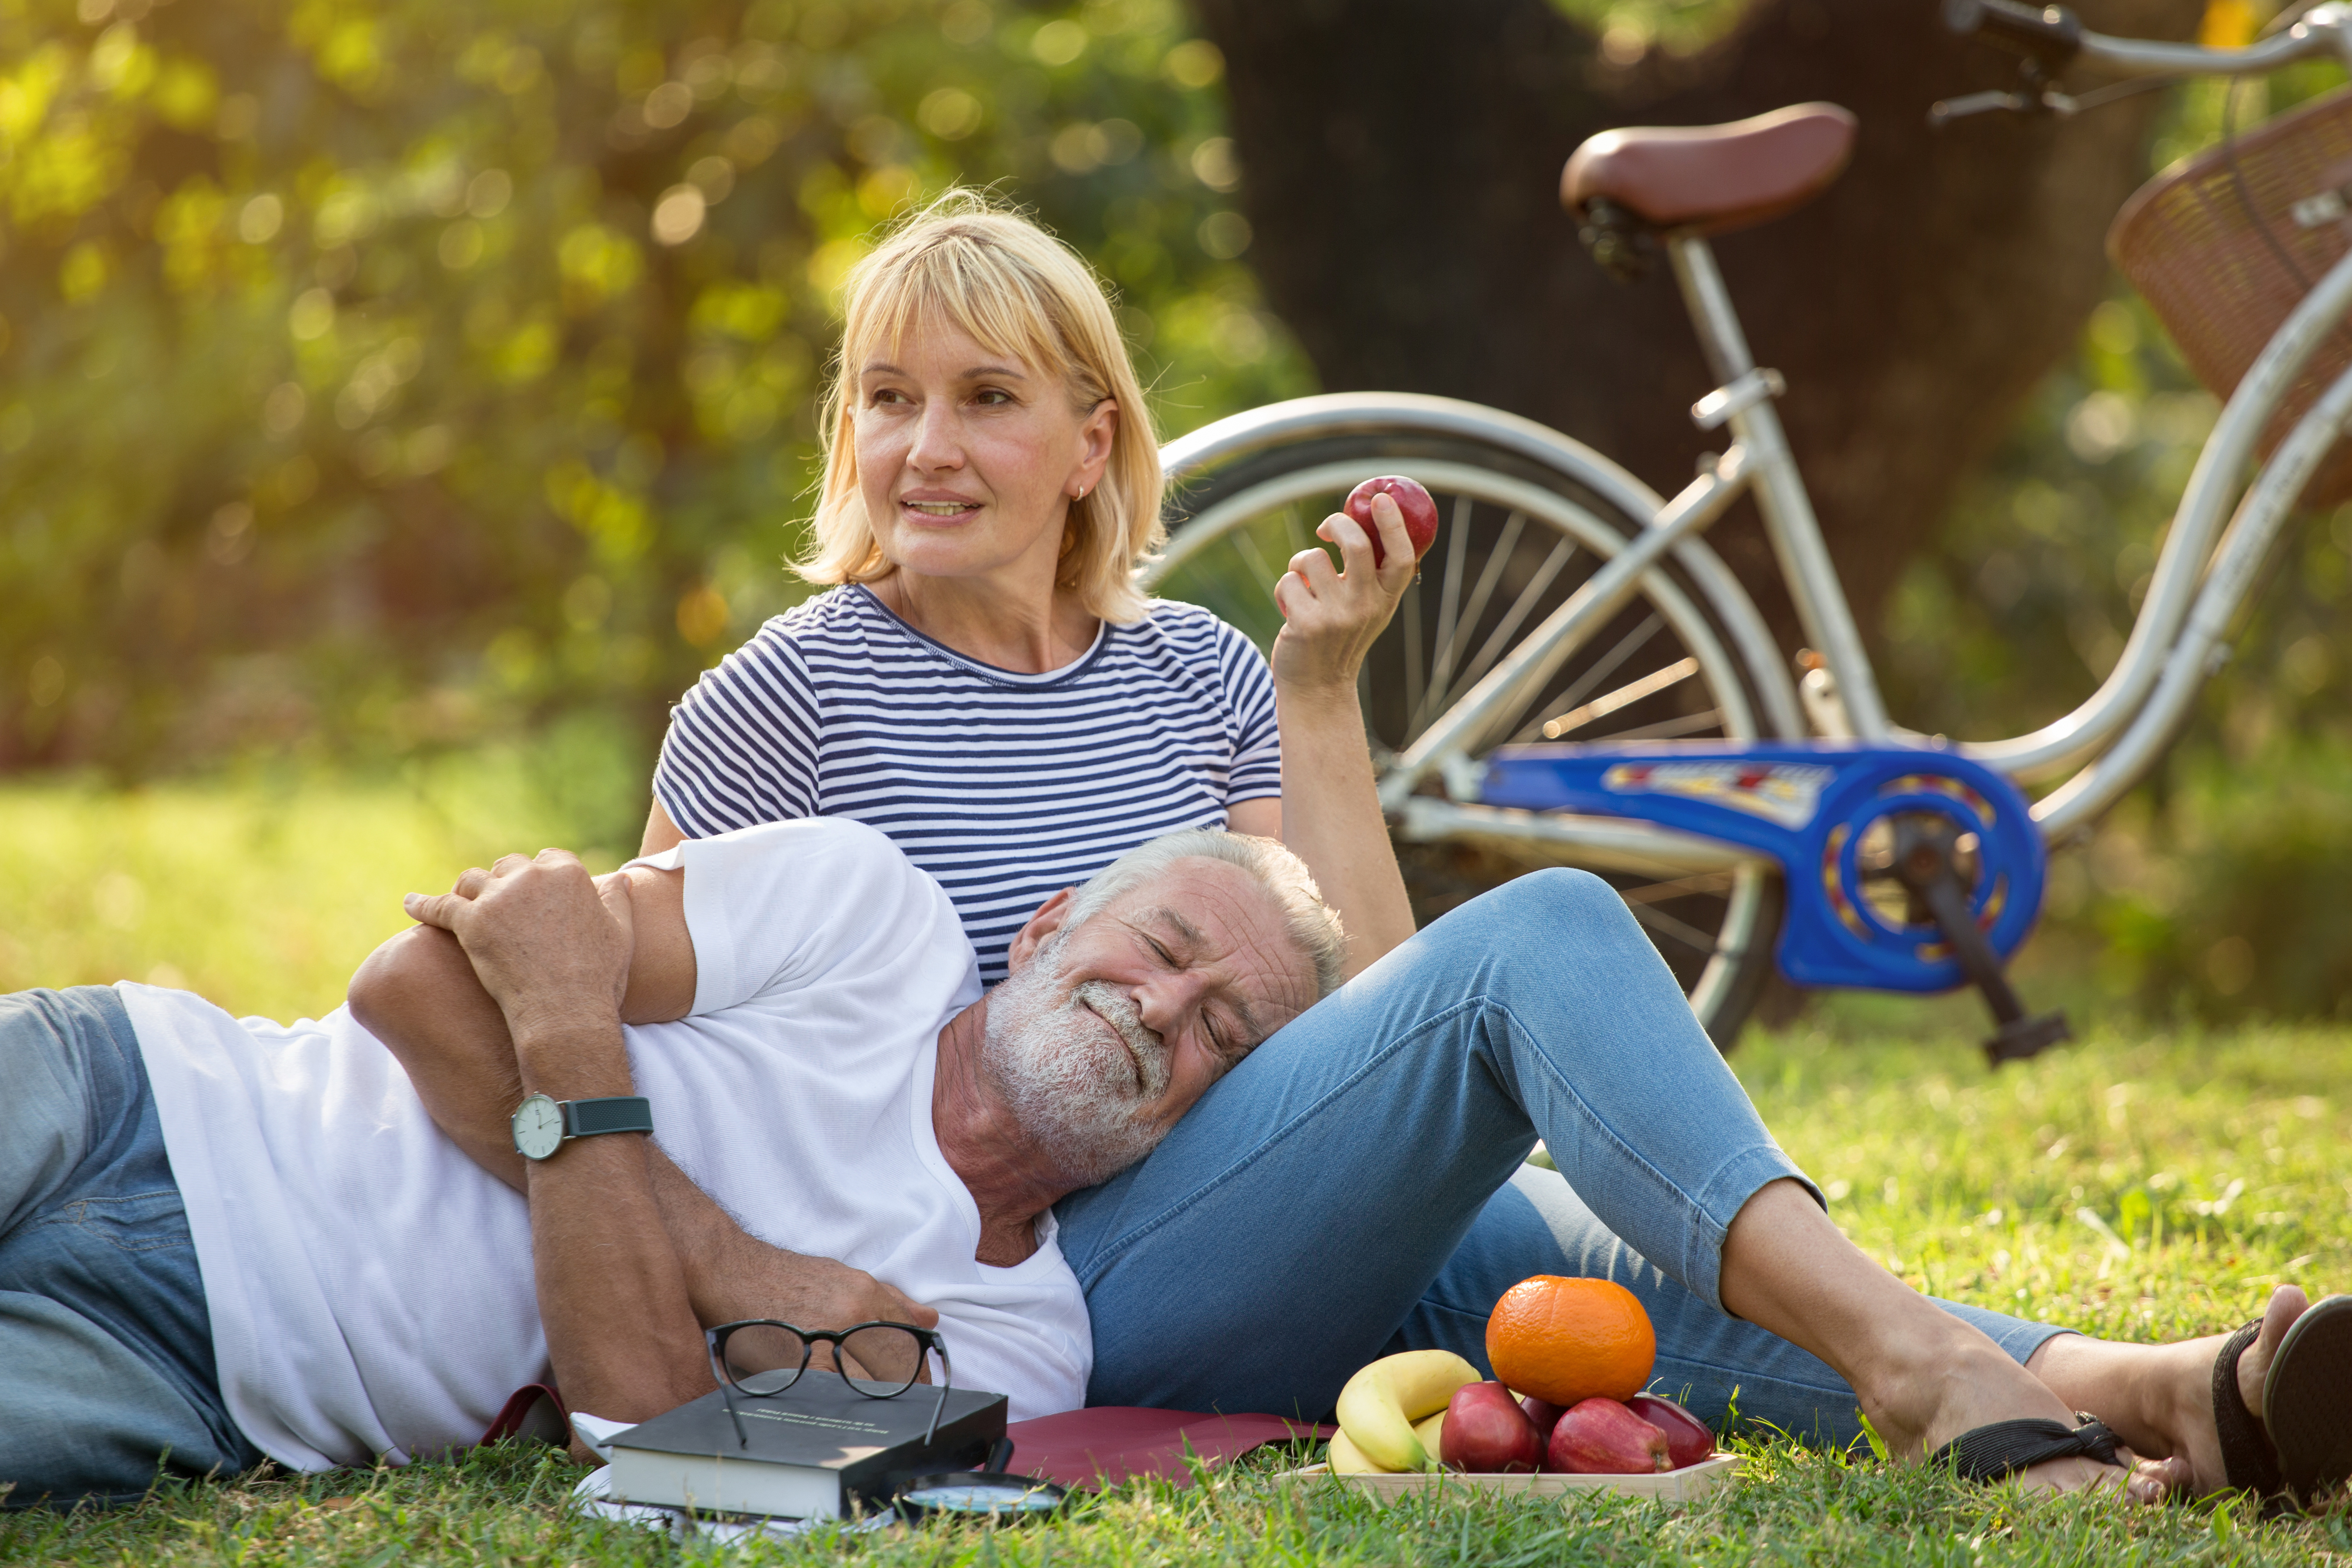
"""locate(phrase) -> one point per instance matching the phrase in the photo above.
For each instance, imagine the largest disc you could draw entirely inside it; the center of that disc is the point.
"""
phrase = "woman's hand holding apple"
(1332, 616)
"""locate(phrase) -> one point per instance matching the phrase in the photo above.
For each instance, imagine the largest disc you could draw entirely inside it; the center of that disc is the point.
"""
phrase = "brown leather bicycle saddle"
(1713, 178)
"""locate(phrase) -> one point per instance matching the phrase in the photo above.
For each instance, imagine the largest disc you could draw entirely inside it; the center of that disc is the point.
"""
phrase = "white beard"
(1072, 1086)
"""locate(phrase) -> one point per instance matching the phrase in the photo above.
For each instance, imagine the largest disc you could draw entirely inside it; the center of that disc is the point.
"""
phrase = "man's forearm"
(621, 1326)
(418, 995)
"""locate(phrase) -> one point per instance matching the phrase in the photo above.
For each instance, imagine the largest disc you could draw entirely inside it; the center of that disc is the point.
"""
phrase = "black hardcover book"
(819, 1449)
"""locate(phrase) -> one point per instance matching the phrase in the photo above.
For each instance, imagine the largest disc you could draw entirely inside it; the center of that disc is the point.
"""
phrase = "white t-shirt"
(371, 1288)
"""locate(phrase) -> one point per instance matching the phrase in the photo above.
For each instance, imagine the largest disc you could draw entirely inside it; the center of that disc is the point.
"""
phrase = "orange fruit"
(1565, 1339)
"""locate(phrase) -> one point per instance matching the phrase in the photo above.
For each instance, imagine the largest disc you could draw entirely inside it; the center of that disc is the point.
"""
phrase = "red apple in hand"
(1420, 512)
(1687, 1439)
(1486, 1430)
(1598, 1437)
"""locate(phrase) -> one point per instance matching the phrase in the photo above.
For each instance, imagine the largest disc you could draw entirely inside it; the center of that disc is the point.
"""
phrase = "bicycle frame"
(2202, 579)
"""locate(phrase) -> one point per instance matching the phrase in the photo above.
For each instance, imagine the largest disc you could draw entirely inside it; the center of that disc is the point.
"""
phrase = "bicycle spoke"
(1499, 643)
(1294, 531)
(1633, 692)
(1457, 543)
(1263, 571)
(1412, 674)
(1633, 643)
(1673, 930)
(1441, 679)
(1670, 728)
(1716, 883)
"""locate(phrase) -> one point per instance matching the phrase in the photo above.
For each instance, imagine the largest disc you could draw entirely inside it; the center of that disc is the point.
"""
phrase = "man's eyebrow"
(1193, 938)
(1186, 931)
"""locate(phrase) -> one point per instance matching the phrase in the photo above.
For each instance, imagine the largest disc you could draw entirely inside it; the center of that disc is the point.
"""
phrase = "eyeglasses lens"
(882, 1360)
(761, 1358)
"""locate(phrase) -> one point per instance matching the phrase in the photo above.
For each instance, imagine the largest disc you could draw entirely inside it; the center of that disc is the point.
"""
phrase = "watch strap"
(607, 1113)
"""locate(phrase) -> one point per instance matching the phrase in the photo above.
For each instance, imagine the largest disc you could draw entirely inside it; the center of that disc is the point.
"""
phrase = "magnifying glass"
(978, 1494)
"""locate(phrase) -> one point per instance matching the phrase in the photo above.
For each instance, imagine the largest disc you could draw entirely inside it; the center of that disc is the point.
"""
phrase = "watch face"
(538, 1127)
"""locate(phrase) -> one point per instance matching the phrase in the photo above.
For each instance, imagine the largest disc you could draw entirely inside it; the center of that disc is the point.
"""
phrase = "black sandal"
(2306, 1400)
(1994, 1452)
(2249, 1462)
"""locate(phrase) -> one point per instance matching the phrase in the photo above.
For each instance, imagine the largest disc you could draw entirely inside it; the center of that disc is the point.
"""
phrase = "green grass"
(262, 894)
(2210, 1161)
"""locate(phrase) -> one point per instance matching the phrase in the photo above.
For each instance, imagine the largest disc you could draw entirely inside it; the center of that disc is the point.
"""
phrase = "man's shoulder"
(841, 841)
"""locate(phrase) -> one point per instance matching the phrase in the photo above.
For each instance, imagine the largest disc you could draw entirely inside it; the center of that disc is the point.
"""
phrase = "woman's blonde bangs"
(1017, 291)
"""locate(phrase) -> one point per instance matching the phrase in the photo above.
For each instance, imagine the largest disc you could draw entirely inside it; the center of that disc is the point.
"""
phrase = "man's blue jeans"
(1356, 1186)
(106, 1354)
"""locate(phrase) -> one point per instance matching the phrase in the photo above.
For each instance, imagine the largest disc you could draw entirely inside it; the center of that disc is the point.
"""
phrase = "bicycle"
(1750, 817)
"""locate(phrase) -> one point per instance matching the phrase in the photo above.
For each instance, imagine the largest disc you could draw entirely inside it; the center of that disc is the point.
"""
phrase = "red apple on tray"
(1544, 1413)
(1486, 1431)
(1598, 1437)
(1420, 512)
(1687, 1439)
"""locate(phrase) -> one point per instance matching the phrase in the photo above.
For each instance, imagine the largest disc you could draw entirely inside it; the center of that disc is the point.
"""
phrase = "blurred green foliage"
(383, 376)
(2223, 886)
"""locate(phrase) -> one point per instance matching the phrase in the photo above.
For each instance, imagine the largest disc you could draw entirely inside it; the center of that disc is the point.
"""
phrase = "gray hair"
(1312, 925)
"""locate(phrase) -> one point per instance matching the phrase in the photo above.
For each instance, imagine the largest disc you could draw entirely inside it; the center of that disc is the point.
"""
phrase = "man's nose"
(1165, 1001)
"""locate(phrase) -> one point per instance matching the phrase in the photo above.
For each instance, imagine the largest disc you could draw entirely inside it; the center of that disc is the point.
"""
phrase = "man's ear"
(1042, 925)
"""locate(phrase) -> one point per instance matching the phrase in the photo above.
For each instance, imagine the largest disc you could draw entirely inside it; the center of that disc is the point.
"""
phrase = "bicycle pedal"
(2024, 1039)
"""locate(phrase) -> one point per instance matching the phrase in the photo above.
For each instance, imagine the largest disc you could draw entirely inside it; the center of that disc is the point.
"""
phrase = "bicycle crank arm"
(1923, 863)
(1463, 727)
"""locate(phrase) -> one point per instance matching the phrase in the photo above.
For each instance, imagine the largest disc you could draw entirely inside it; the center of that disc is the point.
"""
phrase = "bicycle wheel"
(1519, 537)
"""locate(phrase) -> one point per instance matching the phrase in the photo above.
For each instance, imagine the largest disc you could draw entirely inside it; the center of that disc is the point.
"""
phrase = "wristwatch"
(541, 1125)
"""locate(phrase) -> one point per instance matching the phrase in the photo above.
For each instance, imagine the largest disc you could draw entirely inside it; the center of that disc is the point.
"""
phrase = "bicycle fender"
(1809, 806)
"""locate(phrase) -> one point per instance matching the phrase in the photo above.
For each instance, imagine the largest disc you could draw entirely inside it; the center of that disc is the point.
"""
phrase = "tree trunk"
(1403, 162)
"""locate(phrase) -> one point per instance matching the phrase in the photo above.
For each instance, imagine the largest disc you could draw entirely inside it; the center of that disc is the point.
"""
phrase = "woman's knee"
(1542, 903)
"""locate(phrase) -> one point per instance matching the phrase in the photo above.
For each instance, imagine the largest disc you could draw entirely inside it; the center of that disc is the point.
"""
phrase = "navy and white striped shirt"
(1006, 787)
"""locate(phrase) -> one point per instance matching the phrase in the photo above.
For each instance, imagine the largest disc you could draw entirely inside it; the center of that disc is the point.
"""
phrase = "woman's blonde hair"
(1014, 289)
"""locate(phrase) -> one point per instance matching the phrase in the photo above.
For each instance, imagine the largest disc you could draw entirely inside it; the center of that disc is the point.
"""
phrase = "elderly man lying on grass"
(317, 1274)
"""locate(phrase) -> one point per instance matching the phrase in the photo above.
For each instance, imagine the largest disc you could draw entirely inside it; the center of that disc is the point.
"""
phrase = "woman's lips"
(940, 511)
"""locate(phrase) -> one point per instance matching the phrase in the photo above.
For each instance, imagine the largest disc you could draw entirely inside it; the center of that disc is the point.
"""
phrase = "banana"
(1431, 1434)
(1345, 1459)
(1381, 1402)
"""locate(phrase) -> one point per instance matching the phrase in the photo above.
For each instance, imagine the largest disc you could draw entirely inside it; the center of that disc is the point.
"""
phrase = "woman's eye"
(991, 398)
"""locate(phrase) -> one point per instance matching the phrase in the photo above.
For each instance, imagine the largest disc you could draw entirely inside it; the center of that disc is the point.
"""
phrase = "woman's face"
(967, 459)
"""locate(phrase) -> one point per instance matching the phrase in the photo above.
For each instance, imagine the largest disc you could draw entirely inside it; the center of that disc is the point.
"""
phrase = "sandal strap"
(2248, 1459)
(1992, 1452)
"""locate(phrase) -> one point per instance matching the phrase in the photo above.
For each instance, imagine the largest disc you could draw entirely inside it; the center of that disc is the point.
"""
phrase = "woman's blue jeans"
(1357, 1186)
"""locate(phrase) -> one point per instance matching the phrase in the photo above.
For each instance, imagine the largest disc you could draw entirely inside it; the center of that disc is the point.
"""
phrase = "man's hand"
(549, 944)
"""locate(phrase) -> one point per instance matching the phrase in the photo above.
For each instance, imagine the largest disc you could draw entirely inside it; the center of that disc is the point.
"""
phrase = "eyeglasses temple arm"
(938, 1406)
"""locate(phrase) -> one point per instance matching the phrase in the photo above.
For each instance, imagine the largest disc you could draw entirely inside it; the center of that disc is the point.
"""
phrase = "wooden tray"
(1687, 1485)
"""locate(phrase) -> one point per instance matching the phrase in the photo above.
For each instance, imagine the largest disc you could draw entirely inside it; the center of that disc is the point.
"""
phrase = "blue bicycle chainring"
(1826, 811)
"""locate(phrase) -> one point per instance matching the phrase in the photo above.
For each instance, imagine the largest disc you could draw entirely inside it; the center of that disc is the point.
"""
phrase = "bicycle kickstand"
(1923, 854)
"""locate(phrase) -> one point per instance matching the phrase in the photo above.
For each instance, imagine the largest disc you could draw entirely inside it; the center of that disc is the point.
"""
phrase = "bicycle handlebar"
(2053, 36)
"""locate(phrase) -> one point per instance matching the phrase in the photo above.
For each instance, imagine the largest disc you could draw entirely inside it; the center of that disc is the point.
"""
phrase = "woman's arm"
(1330, 810)
(661, 833)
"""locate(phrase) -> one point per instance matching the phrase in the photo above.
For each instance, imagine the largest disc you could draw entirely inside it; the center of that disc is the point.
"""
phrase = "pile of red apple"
(1489, 1430)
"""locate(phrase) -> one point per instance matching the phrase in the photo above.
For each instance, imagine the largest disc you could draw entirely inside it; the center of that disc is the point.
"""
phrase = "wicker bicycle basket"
(2225, 244)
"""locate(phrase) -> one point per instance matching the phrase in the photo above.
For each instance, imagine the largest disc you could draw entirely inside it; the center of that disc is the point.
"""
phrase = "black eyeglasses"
(760, 1357)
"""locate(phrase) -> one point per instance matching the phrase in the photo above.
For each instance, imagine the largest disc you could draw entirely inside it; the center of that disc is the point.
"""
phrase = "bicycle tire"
(1251, 506)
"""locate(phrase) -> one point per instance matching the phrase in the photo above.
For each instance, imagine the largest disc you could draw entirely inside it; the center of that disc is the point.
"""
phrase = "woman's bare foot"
(2159, 1398)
